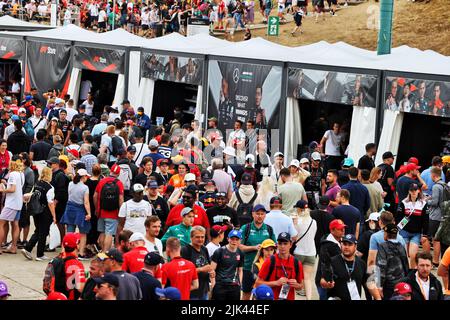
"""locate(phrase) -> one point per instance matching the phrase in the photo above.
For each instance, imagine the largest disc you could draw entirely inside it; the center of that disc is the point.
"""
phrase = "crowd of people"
(172, 211)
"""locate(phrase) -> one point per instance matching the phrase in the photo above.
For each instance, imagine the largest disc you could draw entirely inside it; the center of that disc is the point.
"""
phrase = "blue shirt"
(359, 197)
(378, 238)
(350, 215)
(98, 129)
(155, 157)
(426, 176)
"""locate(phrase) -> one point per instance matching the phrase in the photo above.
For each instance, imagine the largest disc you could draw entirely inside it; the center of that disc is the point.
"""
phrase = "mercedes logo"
(236, 75)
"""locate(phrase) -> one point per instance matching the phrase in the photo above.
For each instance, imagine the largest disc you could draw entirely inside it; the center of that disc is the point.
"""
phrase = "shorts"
(24, 221)
(267, 12)
(248, 281)
(10, 214)
(102, 25)
(145, 26)
(330, 2)
(107, 226)
(221, 15)
(410, 237)
(306, 260)
(433, 226)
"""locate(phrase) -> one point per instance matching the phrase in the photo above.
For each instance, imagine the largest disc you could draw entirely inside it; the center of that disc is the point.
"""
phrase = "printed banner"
(48, 67)
(102, 60)
(244, 92)
(172, 68)
(335, 87)
(417, 96)
(11, 48)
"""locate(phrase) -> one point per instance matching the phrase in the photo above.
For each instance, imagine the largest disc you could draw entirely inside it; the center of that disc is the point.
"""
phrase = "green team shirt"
(256, 236)
(180, 231)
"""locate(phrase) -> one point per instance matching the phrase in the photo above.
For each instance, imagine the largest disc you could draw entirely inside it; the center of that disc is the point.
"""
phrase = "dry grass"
(419, 25)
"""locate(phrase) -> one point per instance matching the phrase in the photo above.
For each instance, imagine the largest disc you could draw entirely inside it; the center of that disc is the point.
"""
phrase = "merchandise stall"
(12, 56)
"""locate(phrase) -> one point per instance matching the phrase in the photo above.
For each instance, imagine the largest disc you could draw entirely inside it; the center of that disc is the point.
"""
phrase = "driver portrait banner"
(101, 60)
(244, 92)
(11, 48)
(48, 67)
(172, 68)
(334, 87)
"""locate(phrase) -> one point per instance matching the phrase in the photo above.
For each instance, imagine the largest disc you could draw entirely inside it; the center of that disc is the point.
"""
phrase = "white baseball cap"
(189, 177)
(230, 151)
(295, 163)
(138, 187)
(82, 172)
(316, 156)
(304, 160)
(59, 100)
(22, 110)
(374, 216)
(153, 143)
(278, 154)
(137, 236)
(250, 158)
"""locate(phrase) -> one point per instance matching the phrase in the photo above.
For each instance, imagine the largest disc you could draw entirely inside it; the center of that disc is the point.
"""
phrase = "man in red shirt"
(189, 197)
(179, 273)
(133, 261)
(279, 271)
(74, 269)
(108, 198)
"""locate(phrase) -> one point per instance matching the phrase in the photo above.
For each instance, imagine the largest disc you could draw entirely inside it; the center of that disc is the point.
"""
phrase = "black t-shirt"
(148, 285)
(65, 126)
(343, 177)
(142, 178)
(387, 172)
(341, 276)
(88, 290)
(227, 264)
(323, 219)
(199, 259)
(40, 150)
(314, 181)
(208, 199)
(164, 178)
(366, 162)
(363, 244)
(350, 215)
(221, 216)
(160, 208)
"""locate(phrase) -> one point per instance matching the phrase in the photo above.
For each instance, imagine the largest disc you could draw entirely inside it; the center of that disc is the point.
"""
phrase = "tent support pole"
(126, 73)
(282, 118)
(380, 107)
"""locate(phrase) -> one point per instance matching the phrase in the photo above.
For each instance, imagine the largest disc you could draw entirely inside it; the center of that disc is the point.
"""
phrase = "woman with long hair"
(13, 204)
(92, 183)
(177, 180)
(375, 176)
(53, 130)
(265, 192)
(412, 220)
(43, 220)
(78, 209)
(268, 248)
(305, 250)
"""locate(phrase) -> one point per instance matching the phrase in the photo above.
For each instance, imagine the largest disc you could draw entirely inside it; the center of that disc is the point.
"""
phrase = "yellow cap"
(268, 243)
(446, 159)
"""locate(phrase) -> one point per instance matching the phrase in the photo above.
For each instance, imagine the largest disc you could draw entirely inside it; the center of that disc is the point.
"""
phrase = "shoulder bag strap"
(309, 227)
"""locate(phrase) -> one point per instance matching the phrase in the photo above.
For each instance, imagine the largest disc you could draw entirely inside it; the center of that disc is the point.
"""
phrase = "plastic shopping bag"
(55, 237)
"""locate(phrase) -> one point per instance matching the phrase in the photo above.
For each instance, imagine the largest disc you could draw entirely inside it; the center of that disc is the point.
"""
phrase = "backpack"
(117, 146)
(445, 195)
(98, 138)
(37, 203)
(272, 267)
(396, 258)
(125, 175)
(109, 196)
(29, 129)
(247, 232)
(244, 210)
(55, 276)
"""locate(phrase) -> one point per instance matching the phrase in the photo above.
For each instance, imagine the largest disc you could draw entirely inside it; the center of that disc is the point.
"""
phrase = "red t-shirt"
(74, 275)
(279, 273)
(179, 273)
(103, 213)
(174, 217)
(133, 261)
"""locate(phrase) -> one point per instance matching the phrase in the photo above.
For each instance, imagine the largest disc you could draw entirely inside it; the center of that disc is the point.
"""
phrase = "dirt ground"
(416, 24)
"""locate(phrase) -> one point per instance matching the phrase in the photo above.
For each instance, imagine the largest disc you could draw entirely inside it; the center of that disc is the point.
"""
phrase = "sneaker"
(346, 4)
(43, 258)
(27, 254)
(6, 245)
(302, 292)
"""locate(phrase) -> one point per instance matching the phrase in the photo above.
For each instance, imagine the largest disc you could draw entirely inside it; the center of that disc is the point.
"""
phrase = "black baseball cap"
(284, 237)
(391, 228)
(108, 278)
(324, 201)
(246, 179)
(276, 200)
(301, 204)
(113, 254)
(131, 149)
(388, 155)
(206, 175)
(153, 259)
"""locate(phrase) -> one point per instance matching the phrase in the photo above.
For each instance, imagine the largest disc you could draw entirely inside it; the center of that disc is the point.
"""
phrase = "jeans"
(42, 223)
(323, 294)
(238, 18)
(204, 298)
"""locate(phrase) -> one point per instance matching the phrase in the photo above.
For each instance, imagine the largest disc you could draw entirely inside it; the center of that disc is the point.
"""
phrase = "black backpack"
(38, 202)
(117, 146)
(272, 267)
(109, 196)
(55, 273)
(247, 232)
(244, 210)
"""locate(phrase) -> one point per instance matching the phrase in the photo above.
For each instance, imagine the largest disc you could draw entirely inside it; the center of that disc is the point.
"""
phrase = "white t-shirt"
(102, 16)
(212, 248)
(151, 246)
(280, 223)
(70, 113)
(89, 107)
(141, 150)
(15, 87)
(145, 18)
(86, 86)
(135, 214)
(38, 125)
(332, 145)
(14, 200)
(93, 8)
(306, 246)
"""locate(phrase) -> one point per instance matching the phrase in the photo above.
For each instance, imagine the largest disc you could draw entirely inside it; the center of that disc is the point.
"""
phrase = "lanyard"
(349, 270)
(420, 282)
(282, 267)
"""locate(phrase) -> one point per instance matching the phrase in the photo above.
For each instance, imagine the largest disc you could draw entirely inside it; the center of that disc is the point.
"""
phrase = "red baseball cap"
(56, 296)
(71, 240)
(402, 288)
(115, 169)
(75, 153)
(411, 167)
(219, 229)
(337, 224)
(413, 160)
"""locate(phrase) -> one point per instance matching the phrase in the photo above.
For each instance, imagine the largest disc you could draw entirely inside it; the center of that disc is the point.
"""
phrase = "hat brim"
(348, 241)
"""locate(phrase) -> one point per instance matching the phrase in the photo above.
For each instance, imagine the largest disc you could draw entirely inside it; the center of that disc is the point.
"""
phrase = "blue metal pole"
(385, 33)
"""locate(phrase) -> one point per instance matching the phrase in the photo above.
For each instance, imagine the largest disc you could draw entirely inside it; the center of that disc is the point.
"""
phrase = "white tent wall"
(145, 95)
(133, 78)
(74, 85)
(362, 131)
(120, 92)
(199, 107)
(293, 129)
(390, 134)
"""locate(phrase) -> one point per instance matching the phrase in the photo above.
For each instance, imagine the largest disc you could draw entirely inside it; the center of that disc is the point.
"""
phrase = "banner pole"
(114, 15)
